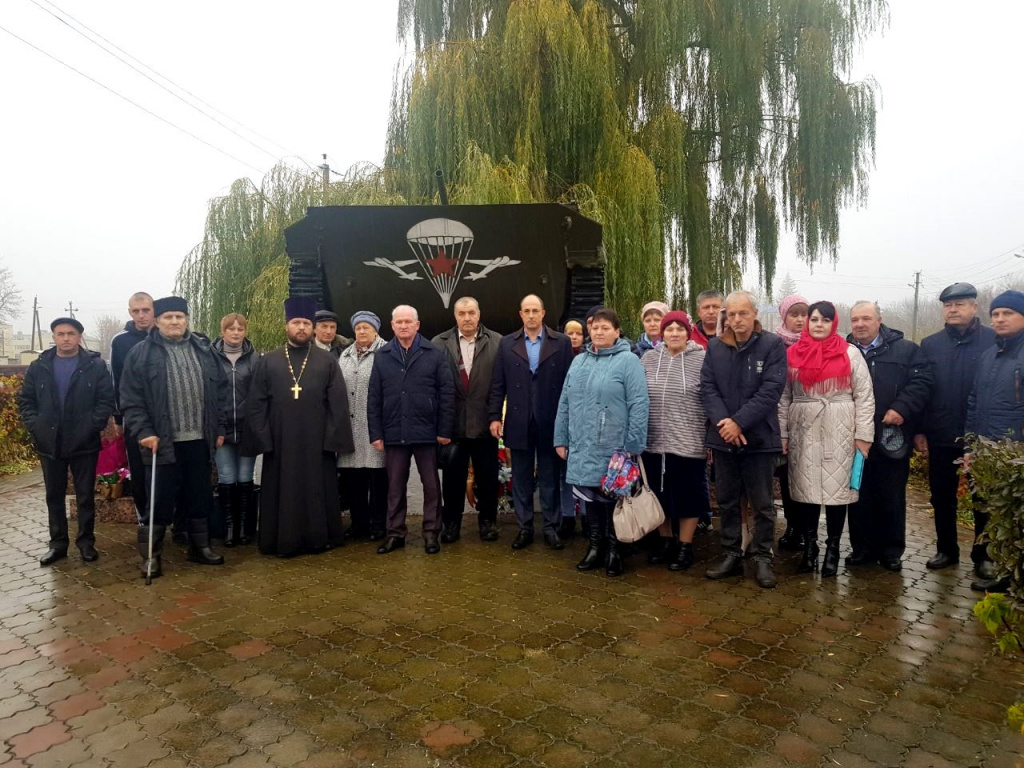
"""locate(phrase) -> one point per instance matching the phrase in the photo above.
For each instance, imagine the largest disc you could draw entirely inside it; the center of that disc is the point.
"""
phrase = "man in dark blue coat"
(529, 373)
(741, 384)
(65, 401)
(140, 307)
(955, 351)
(410, 409)
(995, 408)
(902, 380)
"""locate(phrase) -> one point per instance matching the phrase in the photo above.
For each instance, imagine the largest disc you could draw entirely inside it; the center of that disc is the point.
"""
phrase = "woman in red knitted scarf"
(826, 414)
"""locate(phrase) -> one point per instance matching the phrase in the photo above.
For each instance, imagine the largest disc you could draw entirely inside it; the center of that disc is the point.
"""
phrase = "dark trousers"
(808, 516)
(944, 482)
(367, 493)
(138, 473)
(524, 482)
(746, 474)
(878, 521)
(55, 479)
(183, 486)
(790, 508)
(483, 451)
(397, 461)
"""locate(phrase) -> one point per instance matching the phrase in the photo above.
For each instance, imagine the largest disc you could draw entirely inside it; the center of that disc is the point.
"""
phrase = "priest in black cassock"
(297, 417)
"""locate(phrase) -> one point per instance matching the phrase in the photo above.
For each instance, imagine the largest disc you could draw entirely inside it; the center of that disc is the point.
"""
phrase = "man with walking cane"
(175, 401)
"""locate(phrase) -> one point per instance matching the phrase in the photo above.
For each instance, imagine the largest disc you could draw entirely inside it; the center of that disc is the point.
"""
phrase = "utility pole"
(916, 285)
(326, 170)
(71, 309)
(36, 328)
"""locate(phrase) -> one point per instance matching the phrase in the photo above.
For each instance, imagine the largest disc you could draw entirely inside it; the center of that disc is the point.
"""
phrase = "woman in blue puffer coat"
(603, 408)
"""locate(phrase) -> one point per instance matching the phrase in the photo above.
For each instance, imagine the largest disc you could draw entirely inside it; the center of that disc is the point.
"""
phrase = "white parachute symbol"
(441, 247)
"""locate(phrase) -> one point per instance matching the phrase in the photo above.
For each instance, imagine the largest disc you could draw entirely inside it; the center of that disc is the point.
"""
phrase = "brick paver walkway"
(485, 657)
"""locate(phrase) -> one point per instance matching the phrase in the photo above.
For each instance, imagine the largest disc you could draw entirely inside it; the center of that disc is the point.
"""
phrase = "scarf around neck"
(823, 366)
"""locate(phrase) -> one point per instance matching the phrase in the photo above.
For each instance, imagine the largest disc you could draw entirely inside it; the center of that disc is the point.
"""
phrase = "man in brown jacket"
(471, 349)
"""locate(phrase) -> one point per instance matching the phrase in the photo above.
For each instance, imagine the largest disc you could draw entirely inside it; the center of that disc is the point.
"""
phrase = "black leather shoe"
(552, 541)
(89, 553)
(830, 563)
(488, 532)
(731, 565)
(664, 552)
(451, 533)
(892, 564)
(524, 539)
(683, 559)
(52, 556)
(391, 543)
(764, 575)
(942, 560)
(858, 558)
(792, 540)
(809, 562)
(991, 585)
(985, 570)
(430, 545)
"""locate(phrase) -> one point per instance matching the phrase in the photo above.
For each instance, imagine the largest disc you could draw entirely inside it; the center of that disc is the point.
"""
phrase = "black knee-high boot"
(596, 524)
(613, 566)
(245, 526)
(809, 563)
(835, 519)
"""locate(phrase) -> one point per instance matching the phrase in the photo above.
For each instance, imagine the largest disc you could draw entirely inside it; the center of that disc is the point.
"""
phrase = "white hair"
(742, 295)
(400, 307)
(467, 300)
(866, 303)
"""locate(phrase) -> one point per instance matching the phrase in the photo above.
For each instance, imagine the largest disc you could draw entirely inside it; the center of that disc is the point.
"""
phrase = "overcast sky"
(99, 199)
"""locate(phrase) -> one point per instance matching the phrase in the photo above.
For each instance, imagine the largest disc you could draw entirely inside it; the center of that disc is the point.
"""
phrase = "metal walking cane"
(152, 508)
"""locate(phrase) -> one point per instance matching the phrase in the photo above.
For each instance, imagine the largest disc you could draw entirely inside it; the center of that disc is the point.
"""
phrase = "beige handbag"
(639, 513)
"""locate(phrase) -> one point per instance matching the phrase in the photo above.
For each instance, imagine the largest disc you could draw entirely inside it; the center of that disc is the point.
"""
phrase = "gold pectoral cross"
(296, 389)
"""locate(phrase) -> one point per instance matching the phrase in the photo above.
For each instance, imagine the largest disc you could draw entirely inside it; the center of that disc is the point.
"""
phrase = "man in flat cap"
(954, 353)
(298, 418)
(174, 398)
(65, 401)
(325, 333)
(995, 410)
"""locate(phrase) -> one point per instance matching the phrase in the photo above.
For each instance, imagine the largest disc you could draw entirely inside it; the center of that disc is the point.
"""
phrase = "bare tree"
(107, 327)
(10, 295)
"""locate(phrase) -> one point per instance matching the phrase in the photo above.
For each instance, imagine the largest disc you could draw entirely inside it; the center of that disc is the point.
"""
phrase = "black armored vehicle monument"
(376, 257)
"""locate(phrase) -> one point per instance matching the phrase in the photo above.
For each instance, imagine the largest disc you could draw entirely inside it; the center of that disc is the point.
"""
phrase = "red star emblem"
(442, 265)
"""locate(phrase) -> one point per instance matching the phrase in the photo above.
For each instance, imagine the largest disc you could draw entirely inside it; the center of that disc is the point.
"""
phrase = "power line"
(161, 76)
(133, 103)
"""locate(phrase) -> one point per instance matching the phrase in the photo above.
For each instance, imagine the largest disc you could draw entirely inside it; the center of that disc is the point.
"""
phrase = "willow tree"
(241, 264)
(693, 129)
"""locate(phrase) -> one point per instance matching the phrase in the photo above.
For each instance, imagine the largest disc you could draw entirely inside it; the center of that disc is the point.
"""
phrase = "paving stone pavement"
(485, 657)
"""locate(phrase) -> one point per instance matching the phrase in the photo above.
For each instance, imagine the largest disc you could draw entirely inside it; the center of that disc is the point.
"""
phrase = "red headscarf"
(820, 364)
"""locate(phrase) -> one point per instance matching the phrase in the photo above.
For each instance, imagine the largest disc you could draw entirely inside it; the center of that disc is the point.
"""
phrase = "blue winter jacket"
(411, 399)
(604, 407)
(995, 408)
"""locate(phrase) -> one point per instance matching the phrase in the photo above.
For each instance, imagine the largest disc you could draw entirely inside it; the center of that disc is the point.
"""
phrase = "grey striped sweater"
(184, 390)
(677, 422)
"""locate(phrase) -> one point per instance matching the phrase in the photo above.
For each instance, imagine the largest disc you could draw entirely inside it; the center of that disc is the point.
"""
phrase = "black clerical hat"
(299, 306)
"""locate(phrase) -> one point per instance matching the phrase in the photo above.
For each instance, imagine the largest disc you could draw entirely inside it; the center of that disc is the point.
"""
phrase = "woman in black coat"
(236, 521)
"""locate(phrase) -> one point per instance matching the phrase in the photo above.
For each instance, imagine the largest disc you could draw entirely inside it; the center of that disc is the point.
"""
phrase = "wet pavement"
(485, 657)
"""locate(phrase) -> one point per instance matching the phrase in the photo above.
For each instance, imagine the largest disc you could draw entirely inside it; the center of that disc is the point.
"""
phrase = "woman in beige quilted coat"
(826, 414)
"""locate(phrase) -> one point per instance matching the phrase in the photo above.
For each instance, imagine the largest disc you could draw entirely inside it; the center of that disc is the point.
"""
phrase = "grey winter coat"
(821, 430)
(677, 422)
(356, 369)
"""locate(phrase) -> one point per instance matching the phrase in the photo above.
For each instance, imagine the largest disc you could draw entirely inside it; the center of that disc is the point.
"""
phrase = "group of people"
(338, 424)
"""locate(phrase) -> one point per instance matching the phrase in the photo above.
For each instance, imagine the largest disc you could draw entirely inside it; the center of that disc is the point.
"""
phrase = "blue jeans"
(232, 467)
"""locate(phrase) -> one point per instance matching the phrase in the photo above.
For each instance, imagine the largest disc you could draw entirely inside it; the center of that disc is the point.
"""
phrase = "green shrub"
(16, 449)
(997, 476)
